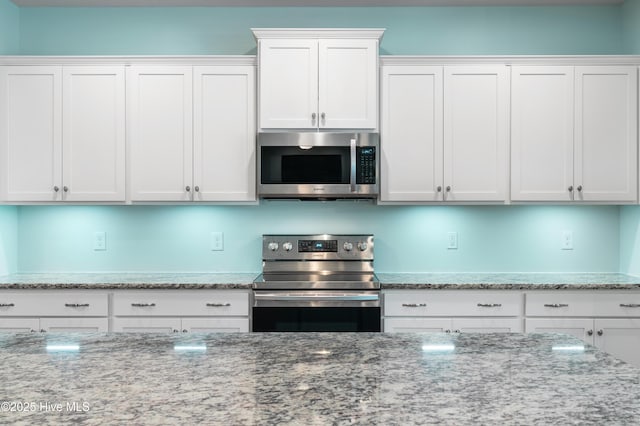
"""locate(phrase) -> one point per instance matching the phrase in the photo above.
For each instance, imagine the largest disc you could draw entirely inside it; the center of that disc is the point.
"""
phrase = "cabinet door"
(417, 325)
(288, 84)
(93, 133)
(160, 125)
(74, 325)
(348, 84)
(215, 325)
(580, 328)
(620, 338)
(606, 133)
(146, 325)
(19, 325)
(411, 133)
(476, 132)
(487, 325)
(541, 133)
(224, 133)
(31, 132)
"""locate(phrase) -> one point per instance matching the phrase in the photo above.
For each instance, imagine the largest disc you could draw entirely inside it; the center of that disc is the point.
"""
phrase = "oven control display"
(310, 246)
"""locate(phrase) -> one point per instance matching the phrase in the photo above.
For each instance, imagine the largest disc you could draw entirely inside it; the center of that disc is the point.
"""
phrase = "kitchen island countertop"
(405, 281)
(306, 378)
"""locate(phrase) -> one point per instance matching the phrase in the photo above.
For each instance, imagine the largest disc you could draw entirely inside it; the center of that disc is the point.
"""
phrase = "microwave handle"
(353, 165)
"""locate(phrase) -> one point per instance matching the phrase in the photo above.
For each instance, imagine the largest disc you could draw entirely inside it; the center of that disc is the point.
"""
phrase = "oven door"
(347, 311)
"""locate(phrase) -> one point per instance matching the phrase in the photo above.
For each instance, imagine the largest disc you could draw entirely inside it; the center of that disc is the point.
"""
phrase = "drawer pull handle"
(7, 305)
(489, 305)
(218, 305)
(630, 305)
(556, 305)
(143, 305)
(414, 305)
(76, 305)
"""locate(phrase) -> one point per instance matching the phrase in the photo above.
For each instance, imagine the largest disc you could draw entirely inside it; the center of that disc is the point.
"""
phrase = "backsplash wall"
(8, 239)
(408, 238)
(9, 28)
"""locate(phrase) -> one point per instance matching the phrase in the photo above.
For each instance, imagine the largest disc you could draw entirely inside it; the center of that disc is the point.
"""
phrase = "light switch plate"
(452, 240)
(217, 241)
(567, 240)
(100, 241)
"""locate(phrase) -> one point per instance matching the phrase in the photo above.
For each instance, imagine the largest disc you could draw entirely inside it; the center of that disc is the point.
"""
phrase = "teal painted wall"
(409, 238)
(8, 239)
(410, 30)
(630, 240)
(631, 26)
(9, 28)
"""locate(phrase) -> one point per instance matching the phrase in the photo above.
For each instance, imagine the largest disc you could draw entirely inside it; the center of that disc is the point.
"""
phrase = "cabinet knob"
(456, 331)
(579, 188)
(590, 333)
(323, 116)
(65, 188)
(447, 331)
(313, 116)
(187, 188)
(439, 189)
(42, 330)
(185, 330)
(600, 332)
(196, 188)
(175, 330)
(570, 188)
(448, 188)
(56, 188)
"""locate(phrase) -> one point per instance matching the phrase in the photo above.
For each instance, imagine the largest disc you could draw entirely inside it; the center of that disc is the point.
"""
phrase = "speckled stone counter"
(125, 281)
(314, 379)
(511, 281)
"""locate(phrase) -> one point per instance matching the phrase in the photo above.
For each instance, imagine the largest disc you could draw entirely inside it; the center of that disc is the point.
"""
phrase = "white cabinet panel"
(416, 325)
(74, 325)
(54, 303)
(487, 325)
(580, 328)
(19, 325)
(348, 84)
(620, 338)
(183, 303)
(288, 83)
(606, 133)
(476, 123)
(411, 133)
(160, 127)
(224, 133)
(31, 129)
(146, 325)
(93, 133)
(542, 133)
(456, 303)
(215, 325)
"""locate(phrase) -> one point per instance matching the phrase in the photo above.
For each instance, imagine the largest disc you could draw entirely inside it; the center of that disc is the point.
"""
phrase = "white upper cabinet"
(93, 133)
(224, 133)
(605, 159)
(574, 134)
(411, 133)
(64, 136)
(318, 79)
(160, 128)
(476, 132)
(444, 133)
(192, 133)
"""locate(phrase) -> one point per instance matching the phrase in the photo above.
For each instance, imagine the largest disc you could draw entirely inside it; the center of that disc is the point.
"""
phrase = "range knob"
(347, 246)
(272, 246)
(362, 245)
(287, 246)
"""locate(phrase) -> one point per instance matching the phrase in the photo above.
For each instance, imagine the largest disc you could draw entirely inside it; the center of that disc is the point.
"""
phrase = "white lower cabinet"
(452, 311)
(54, 311)
(181, 311)
(609, 320)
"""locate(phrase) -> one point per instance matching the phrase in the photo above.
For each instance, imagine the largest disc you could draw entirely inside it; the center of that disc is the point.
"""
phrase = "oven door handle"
(298, 297)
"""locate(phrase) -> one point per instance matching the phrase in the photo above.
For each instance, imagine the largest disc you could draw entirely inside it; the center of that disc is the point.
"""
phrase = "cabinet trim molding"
(344, 33)
(510, 60)
(130, 60)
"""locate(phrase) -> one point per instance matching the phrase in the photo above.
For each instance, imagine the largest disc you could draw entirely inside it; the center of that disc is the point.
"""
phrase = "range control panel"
(322, 246)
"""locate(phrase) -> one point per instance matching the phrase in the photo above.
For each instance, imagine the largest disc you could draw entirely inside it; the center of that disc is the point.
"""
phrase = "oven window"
(345, 319)
(311, 169)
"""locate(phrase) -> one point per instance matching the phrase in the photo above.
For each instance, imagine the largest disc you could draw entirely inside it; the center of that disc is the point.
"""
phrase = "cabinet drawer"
(183, 303)
(583, 304)
(55, 303)
(452, 303)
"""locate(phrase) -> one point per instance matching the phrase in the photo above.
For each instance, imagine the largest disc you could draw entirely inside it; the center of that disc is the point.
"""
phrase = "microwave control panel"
(366, 165)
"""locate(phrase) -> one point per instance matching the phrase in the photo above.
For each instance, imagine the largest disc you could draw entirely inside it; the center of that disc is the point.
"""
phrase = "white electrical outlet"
(567, 240)
(217, 241)
(452, 241)
(100, 240)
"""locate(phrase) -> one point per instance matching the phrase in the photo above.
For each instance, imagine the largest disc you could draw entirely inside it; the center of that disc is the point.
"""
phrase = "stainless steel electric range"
(317, 283)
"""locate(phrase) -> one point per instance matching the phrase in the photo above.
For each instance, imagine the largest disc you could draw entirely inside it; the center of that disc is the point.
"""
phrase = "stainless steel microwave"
(318, 165)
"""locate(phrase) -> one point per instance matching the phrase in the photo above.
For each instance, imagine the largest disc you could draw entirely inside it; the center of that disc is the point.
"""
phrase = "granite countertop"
(406, 281)
(315, 379)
